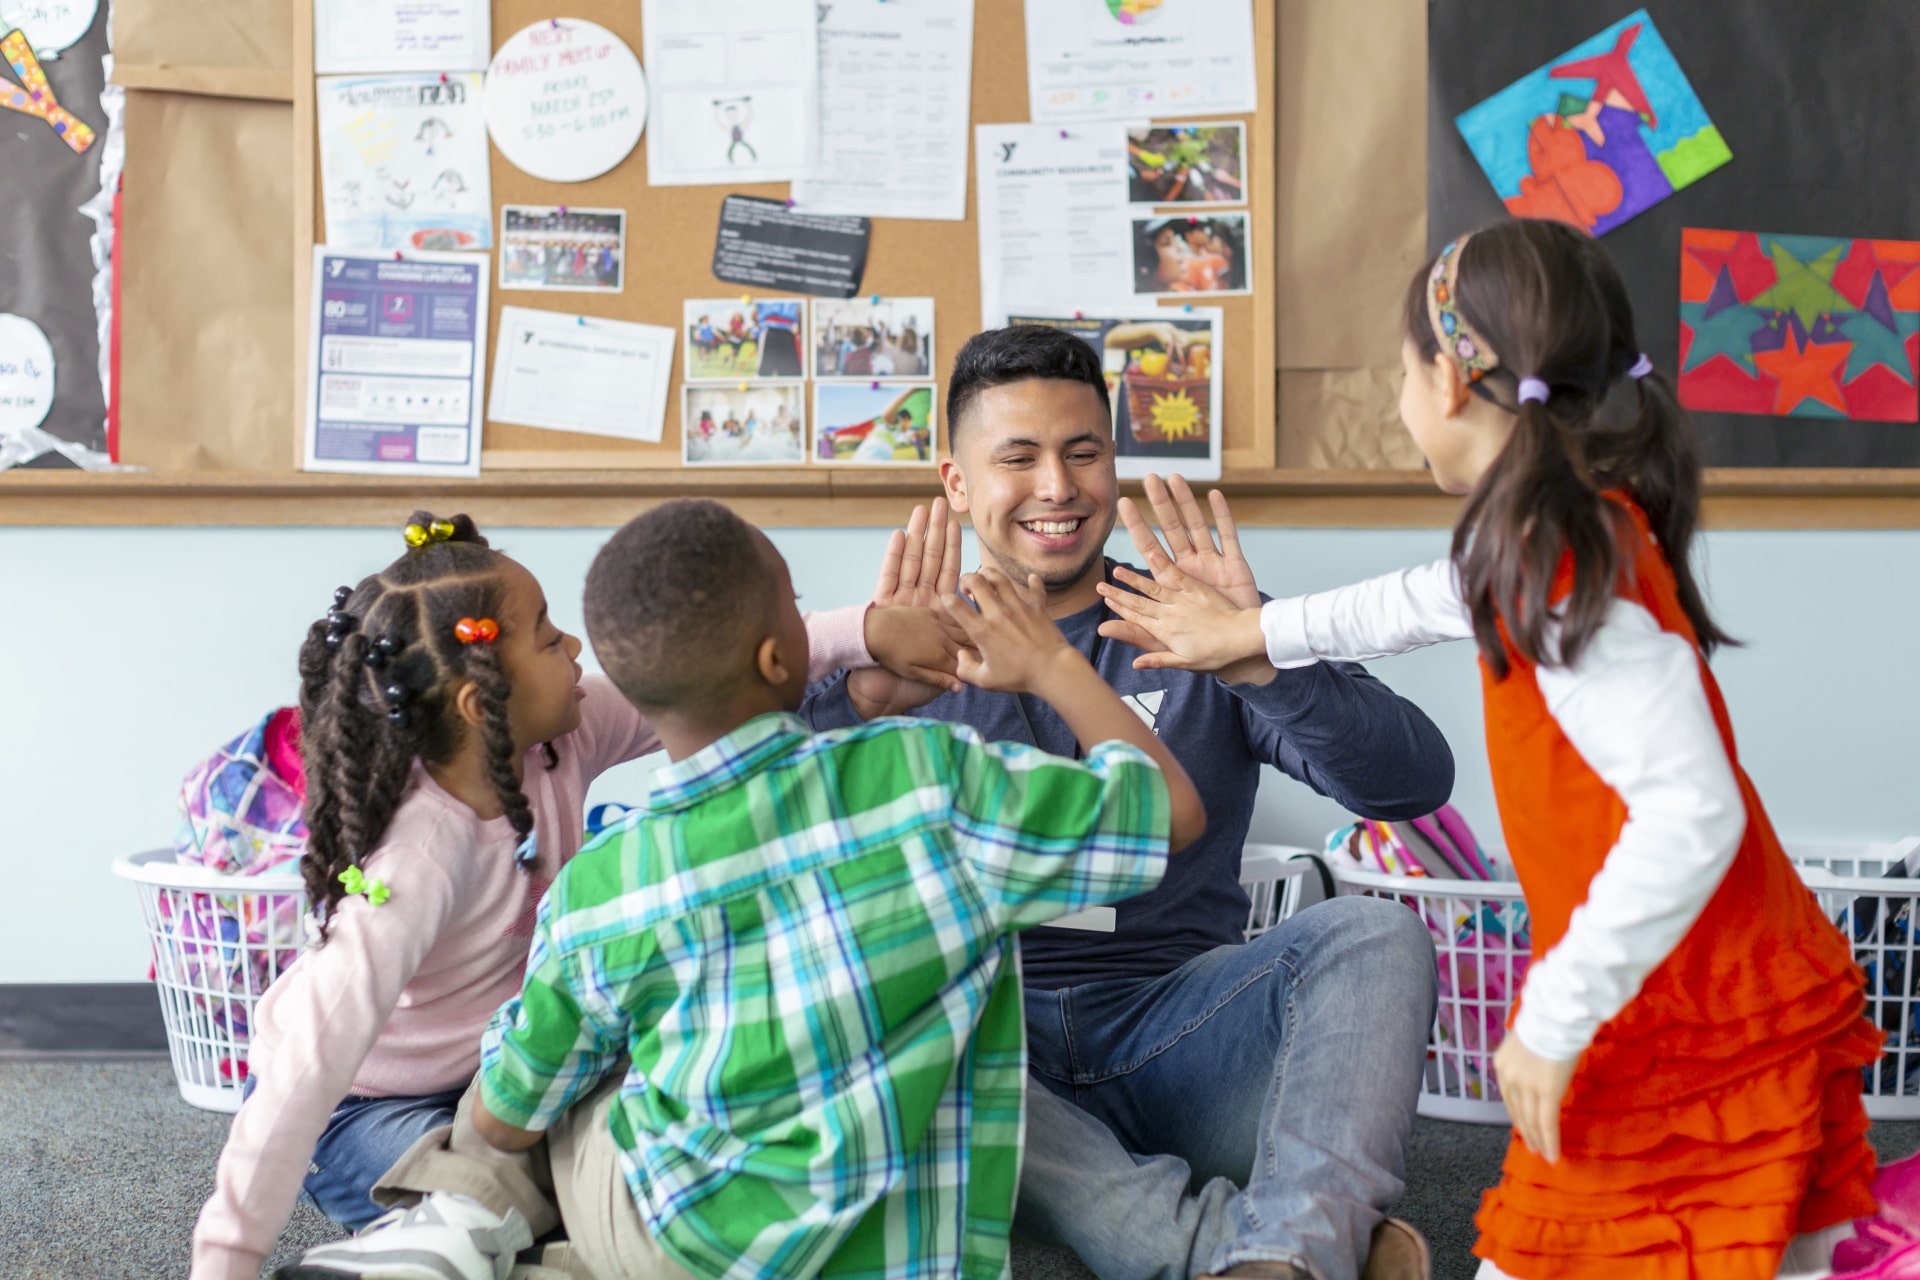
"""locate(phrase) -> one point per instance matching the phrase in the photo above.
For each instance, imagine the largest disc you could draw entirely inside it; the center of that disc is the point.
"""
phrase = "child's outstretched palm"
(1186, 623)
(1011, 642)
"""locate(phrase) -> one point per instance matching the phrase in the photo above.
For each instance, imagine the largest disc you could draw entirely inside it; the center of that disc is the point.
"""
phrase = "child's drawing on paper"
(1597, 136)
(1805, 326)
(404, 162)
(734, 115)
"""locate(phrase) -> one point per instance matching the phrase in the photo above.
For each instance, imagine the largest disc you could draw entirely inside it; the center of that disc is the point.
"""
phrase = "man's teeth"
(1051, 526)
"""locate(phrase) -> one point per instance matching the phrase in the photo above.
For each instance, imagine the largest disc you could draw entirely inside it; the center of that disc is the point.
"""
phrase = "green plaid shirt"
(801, 944)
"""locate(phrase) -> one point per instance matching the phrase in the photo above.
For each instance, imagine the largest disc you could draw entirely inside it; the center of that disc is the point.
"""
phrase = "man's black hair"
(996, 357)
(674, 603)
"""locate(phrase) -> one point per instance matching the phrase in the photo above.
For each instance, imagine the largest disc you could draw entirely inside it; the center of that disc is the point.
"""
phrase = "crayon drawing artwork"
(1800, 326)
(1593, 138)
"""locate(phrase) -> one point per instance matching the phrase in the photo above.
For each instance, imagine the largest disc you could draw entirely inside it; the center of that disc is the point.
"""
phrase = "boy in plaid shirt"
(771, 1026)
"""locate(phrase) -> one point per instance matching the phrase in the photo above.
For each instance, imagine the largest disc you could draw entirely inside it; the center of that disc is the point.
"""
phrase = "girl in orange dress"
(1684, 1064)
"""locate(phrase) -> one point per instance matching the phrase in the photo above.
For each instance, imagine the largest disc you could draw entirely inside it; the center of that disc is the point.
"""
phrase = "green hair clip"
(355, 881)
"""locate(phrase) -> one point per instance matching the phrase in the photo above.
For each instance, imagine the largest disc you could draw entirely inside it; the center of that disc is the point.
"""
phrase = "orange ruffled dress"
(1718, 1114)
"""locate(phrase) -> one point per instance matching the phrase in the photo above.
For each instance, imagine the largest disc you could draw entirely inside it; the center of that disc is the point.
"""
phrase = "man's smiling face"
(1033, 467)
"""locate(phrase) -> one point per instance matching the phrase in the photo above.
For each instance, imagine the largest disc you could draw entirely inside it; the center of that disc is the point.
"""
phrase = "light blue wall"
(129, 653)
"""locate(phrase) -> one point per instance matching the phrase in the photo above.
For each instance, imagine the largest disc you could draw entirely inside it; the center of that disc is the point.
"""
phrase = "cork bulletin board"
(671, 230)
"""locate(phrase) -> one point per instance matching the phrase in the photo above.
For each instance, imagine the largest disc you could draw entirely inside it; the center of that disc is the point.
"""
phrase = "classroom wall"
(129, 653)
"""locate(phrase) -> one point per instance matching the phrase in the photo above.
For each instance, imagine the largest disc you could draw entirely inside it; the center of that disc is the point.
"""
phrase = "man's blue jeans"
(363, 1139)
(1254, 1104)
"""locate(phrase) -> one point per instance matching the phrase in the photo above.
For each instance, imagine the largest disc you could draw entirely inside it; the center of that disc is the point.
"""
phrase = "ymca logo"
(1006, 151)
(1146, 706)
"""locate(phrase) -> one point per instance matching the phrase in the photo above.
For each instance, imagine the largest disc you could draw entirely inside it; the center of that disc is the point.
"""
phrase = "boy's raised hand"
(1012, 644)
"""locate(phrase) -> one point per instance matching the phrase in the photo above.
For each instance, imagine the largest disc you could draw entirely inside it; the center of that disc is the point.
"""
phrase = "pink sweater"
(394, 1003)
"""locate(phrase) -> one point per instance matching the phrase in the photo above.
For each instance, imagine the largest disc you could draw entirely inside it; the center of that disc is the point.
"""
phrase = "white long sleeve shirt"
(1635, 709)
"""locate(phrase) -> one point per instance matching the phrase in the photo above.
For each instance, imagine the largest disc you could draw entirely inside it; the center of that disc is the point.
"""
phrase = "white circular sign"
(26, 374)
(51, 25)
(566, 100)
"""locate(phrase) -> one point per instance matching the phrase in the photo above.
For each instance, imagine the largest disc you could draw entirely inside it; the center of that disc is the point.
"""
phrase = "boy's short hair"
(1016, 353)
(674, 603)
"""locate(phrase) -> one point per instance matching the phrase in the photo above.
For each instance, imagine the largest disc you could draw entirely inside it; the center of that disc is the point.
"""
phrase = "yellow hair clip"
(419, 535)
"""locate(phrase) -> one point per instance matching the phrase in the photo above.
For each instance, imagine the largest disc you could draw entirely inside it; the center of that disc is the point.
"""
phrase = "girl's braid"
(483, 668)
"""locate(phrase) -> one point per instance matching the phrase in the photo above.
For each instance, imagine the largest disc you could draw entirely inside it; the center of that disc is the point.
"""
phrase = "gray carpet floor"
(103, 1168)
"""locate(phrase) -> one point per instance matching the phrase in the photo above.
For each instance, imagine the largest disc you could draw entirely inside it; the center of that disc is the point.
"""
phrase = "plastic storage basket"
(218, 941)
(1279, 879)
(1479, 929)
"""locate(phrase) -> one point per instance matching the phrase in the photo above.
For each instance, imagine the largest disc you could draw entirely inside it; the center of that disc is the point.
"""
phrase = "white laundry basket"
(1480, 973)
(218, 941)
(1279, 879)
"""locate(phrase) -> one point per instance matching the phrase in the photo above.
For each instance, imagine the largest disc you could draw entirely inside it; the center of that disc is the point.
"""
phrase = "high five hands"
(908, 633)
(1200, 611)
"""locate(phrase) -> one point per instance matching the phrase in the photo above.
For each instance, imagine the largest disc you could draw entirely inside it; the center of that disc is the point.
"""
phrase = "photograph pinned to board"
(745, 338)
(566, 100)
(896, 84)
(1604, 132)
(888, 424)
(1800, 326)
(873, 337)
(396, 363)
(736, 90)
(33, 95)
(1200, 163)
(747, 425)
(1190, 253)
(562, 249)
(1128, 59)
(1164, 379)
(364, 36)
(51, 27)
(404, 162)
(581, 373)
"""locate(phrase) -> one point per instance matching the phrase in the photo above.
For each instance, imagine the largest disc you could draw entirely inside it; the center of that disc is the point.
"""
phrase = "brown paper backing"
(215, 313)
(206, 362)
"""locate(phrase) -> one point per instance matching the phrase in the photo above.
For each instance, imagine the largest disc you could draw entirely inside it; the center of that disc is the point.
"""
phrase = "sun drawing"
(1177, 417)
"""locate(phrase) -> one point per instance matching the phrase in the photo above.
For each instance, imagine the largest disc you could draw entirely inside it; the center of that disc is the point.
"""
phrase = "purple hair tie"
(1535, 390)
(1641, 367)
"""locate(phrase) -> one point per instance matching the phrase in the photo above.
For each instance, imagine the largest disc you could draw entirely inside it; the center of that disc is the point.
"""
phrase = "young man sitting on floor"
(771, 1027)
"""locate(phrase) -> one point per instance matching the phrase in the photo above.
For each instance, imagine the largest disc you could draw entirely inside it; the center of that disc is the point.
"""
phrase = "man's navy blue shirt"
(1330, 725)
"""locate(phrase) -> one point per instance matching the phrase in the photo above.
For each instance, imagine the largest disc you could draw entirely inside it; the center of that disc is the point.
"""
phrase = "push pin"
(874, 300)
(443, 77)
(875, 387)
(1065, 134)
(1079, 315)
(563, 210)
(1188, 308)
(789, 202)
(554, 23)
(396, 256)
(746, 299)
(582, 320)
(743, 386)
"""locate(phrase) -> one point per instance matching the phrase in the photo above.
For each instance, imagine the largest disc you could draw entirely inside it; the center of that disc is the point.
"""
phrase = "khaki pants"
(571, 1178)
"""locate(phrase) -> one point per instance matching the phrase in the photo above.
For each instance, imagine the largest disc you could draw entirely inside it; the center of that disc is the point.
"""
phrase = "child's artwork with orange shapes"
(34, 97)
(1595, 137)
(1802, 326)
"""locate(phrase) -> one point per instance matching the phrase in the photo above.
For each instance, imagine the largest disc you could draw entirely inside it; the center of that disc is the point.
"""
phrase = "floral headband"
(1456, 337)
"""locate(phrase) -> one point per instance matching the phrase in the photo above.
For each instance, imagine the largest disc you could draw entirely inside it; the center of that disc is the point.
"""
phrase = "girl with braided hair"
(449, 739)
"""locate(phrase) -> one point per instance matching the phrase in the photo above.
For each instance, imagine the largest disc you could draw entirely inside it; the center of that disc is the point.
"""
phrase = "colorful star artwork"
(1597, 136)
(1800, 326)
(33, 96)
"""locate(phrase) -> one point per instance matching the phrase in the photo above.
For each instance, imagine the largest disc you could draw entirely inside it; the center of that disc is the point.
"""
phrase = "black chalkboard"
(46, 242)
(1819, 106)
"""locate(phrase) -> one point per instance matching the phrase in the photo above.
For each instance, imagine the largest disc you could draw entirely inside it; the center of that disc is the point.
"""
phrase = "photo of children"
(872, 337)
(730, 339)
(1190, 254)
(1164, 379)
(880, 424)
(762, 426)
(559, 248)
(1187, 164)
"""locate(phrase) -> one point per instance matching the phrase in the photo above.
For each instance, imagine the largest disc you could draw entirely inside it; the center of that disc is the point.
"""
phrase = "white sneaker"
(444, 1237)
